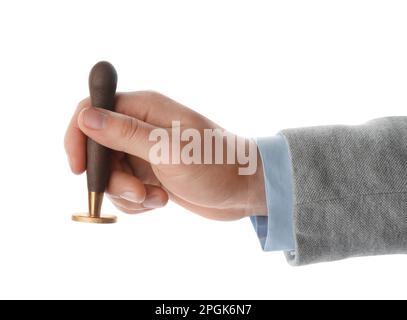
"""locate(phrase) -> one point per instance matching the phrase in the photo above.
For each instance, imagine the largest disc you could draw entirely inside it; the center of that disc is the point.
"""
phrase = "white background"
(255, 67)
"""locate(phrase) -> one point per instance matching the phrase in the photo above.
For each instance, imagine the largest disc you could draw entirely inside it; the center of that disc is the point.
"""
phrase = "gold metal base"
(94, 216)
(88, 219)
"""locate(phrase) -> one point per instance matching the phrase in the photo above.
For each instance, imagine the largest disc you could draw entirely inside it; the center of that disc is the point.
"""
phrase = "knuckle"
(150, 95)
(129, 131)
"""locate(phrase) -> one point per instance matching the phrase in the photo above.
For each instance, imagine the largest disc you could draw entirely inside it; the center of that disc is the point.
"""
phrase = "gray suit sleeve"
(350, 190)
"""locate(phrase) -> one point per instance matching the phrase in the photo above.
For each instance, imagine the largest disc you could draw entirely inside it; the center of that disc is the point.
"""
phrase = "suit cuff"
(275, 231)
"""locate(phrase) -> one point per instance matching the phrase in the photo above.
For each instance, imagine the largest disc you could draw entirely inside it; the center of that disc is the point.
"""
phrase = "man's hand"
(215, 191)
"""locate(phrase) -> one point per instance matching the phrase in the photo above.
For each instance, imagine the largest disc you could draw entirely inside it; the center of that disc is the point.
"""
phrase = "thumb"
(117, 131)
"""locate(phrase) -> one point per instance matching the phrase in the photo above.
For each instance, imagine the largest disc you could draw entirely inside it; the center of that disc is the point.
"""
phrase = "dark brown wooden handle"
(102, 87)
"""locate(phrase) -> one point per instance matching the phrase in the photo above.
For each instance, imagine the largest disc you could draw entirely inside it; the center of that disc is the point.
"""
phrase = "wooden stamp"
(102, 87)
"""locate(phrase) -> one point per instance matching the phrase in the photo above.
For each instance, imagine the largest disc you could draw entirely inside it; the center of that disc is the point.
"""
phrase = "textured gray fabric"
(350, 190)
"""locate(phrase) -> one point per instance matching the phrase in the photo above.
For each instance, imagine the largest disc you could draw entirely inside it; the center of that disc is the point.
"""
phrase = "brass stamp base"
(94, 216)
(89, 219)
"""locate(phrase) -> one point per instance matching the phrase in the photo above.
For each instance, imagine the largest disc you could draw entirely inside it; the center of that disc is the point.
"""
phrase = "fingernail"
(153, 201)
(94, 119)
(132, 197)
